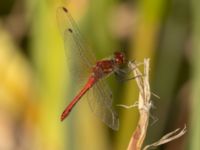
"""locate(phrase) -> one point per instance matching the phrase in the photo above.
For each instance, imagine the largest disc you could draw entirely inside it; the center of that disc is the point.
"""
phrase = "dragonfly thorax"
(106, 67)
(103, 68)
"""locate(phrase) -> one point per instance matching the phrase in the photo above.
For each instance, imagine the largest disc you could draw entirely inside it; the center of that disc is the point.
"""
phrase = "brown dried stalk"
(144, 106)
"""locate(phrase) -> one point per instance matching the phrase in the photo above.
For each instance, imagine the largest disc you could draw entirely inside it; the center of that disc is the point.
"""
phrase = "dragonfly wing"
(78, 54)
(71, 34)
(77, 64)
(100, 101)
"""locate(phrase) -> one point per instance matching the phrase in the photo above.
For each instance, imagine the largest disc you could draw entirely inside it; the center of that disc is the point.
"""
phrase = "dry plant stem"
(167, 138)
(144, 105)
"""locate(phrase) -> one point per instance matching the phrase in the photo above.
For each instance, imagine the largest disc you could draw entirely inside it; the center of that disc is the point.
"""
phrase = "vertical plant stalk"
(144, 106)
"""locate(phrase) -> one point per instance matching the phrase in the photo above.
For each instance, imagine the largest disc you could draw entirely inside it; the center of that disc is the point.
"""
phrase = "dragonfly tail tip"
(63, 116)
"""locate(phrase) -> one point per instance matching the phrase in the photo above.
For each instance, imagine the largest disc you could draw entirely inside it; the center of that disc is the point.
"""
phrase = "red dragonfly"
(101, 101)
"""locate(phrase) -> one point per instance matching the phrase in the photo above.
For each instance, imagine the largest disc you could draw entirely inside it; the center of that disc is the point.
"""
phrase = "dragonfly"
(101, 100)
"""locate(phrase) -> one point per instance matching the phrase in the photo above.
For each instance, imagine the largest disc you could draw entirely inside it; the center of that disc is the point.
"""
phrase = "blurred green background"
(34, 77)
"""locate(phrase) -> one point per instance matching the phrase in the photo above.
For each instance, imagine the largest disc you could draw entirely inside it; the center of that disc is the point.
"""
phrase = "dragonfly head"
(119, 58)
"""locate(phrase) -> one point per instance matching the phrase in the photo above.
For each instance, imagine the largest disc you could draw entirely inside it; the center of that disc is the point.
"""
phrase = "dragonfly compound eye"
(119, 58)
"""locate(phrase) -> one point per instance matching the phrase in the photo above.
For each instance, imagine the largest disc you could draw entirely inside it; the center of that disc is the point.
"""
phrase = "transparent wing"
(79, 56)
(77, 64)
(100, 101)
(71, 34)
